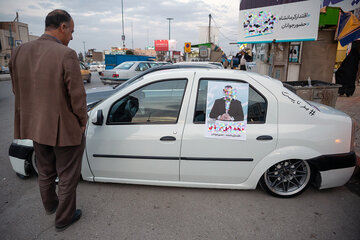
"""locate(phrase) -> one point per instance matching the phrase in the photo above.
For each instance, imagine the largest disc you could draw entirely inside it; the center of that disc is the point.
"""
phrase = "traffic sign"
(187, 47)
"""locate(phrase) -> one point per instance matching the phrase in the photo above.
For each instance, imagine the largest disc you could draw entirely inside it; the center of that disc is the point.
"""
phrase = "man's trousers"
(64, 162)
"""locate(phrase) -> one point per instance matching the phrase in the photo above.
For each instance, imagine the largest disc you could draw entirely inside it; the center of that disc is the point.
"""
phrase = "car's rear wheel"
(21, 176)
(89, 79)
(286, 179)
(34, 163)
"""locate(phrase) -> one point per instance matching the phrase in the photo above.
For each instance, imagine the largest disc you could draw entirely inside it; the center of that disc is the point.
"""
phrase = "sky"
(98, 23)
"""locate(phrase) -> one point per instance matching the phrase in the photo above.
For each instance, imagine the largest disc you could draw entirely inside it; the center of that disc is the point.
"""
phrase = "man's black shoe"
(77, 216)
(53, 210)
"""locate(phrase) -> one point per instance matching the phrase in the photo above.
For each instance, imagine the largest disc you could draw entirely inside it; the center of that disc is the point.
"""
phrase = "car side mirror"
(98, 119)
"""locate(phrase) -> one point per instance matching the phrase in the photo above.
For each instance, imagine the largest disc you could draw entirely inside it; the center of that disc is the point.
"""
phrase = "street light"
(122, 17)
(169, 19)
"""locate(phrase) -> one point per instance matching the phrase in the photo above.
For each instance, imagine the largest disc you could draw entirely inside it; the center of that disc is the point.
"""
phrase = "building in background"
(12, 34)
(145, 52)
(93, 56)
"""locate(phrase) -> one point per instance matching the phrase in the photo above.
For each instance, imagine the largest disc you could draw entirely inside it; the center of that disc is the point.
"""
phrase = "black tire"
(89, 79)
(287, 178)
(33, 163)
(21, 176)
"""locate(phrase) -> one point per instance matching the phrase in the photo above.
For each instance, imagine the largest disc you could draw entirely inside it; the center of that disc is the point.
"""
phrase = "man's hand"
(83, 128)
(225, 117)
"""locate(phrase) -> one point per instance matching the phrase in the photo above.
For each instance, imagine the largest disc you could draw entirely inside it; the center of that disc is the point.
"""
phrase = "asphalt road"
(119, 211)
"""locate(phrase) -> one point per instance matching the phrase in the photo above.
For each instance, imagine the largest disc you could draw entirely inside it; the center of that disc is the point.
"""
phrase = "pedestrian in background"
(50, 109)
(245, 57)
(346, 75)
(225, 62)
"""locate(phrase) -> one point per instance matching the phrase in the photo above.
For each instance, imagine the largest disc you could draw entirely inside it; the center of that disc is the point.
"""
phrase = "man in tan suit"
(50, 109)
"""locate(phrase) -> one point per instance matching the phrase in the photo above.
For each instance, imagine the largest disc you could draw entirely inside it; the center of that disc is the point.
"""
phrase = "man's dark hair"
(55, 18)
(228, 86)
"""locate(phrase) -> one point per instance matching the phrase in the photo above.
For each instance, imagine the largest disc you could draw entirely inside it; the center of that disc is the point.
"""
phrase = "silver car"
(125, 71)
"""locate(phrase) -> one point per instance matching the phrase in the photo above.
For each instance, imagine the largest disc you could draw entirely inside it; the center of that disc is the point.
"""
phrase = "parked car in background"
(125, 71)
(154, 130)
(85, 73)
(97, 66)
(4, 69)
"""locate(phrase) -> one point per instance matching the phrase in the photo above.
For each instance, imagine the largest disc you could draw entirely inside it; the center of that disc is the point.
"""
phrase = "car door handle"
(167, 138)
(264, 138)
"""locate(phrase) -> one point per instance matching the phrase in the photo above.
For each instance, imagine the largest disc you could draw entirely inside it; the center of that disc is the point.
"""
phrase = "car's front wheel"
(286, 179)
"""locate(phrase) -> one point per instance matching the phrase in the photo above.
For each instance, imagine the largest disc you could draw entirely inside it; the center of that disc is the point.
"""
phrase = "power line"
(221, 32)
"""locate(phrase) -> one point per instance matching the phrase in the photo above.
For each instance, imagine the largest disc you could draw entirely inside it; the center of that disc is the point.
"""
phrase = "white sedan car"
(212, 128)
(97, 66)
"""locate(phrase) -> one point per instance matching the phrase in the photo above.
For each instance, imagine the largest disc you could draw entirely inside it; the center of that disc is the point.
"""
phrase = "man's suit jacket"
(50, 99)
(235, 109)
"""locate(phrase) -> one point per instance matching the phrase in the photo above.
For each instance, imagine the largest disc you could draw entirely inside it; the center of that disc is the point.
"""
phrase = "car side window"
(257, 105)
(142, 67)
(156, 103)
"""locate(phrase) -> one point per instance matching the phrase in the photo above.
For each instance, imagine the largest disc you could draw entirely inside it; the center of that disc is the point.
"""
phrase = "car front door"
(140, 138)
(227, 161)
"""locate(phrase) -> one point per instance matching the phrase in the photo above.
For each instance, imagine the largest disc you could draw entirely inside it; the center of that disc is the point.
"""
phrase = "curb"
(5, 77)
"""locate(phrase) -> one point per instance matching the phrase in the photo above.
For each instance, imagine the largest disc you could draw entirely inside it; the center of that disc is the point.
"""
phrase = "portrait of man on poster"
(227, 108)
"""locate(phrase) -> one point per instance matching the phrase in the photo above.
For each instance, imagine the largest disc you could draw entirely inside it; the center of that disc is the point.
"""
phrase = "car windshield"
(125, 65)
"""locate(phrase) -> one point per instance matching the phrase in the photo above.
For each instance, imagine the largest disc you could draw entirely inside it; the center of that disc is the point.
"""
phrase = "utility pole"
(209, 28)
(132, 37)
(11, 39)
(84, 51)
(148, 38)
(122, 16)
(169, 32)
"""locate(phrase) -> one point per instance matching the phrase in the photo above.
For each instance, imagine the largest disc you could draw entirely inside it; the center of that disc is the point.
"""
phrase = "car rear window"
(125, 65)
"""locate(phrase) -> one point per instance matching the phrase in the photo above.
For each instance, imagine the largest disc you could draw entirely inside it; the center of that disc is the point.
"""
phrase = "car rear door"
(227, 161)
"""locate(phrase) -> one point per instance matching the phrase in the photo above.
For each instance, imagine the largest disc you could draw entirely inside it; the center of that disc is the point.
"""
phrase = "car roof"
(169, 67)
(198, 62)
(214, 64)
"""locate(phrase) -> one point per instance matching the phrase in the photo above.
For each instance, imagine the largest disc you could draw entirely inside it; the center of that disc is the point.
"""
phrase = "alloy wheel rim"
(288, 177)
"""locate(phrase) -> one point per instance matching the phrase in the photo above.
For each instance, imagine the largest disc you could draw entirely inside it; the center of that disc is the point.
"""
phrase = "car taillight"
(115, 75)
(102, 74)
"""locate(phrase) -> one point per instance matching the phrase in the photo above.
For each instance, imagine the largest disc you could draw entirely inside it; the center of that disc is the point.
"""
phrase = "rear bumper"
(20, 151)
(19, 155)
(334, 170)
(110, 80)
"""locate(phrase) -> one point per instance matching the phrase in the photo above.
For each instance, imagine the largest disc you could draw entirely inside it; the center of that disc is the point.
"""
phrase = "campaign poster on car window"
(226, 110)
